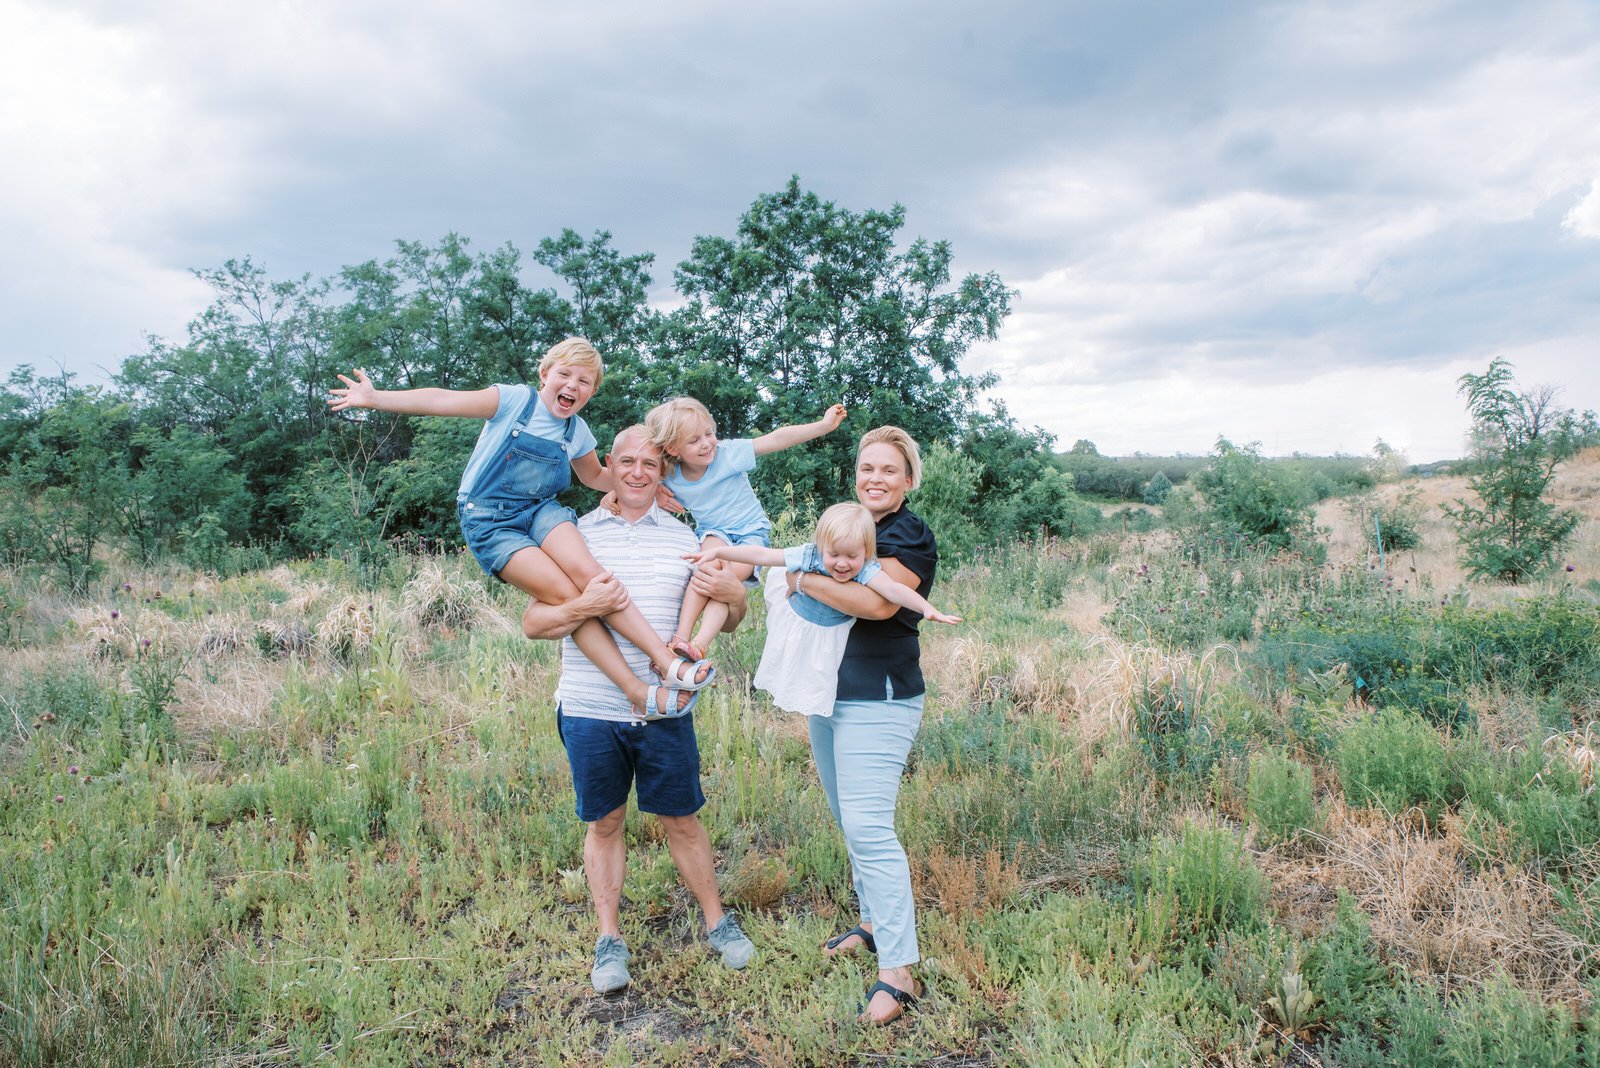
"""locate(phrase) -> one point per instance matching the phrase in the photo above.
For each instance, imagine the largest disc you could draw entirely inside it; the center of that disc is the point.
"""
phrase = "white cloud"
(1584, 218)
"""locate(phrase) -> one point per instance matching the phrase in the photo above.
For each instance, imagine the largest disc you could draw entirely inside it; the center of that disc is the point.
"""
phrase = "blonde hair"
(845, 526)
(671, 421)
(893, 435)
(573, 352)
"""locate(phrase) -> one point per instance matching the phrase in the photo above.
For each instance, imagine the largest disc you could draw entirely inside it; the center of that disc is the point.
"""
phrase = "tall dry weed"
(1128, 674)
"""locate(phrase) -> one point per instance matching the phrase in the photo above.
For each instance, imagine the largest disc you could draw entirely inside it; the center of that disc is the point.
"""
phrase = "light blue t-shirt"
(808, 558)
(541, 424)
(722, 500)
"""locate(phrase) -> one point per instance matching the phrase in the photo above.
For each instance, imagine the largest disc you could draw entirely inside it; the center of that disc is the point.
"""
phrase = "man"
(610, 747)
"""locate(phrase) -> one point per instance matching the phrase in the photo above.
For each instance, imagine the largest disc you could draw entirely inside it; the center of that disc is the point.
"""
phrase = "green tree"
(1245, 498)
(1512, 532)
(1157, 489)
(810, 303)
(66, 473)
(946, 499)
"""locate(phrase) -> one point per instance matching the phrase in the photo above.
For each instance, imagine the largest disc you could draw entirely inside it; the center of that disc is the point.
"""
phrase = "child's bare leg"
(715, 617)
(695, 602)
(567, 549)
(533, 572)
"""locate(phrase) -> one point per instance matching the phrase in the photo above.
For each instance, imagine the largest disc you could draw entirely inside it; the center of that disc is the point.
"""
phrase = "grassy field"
(1172, 803)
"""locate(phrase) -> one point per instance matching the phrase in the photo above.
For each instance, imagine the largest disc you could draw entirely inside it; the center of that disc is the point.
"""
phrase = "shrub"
(1394, 759)
(1157, 489)
(1279, 796)
(1244, 497)
(1207, 872)
(1512, 532)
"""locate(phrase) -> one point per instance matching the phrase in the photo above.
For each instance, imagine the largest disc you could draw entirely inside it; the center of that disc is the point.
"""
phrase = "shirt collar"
(653, 517)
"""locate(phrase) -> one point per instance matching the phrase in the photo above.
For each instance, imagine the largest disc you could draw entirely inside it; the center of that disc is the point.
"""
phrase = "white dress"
(800, 661)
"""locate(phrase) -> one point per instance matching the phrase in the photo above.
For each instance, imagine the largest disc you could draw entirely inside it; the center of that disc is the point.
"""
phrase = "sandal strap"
(860, 932)
(904, 997)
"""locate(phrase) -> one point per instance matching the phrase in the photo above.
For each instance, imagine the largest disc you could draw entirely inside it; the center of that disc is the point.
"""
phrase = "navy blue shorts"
(660, 758)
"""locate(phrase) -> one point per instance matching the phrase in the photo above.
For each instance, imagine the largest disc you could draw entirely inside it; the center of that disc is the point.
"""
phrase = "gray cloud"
(1251, 194)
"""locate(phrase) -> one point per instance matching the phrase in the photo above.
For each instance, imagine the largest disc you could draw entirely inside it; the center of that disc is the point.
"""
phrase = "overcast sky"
(1293, 223)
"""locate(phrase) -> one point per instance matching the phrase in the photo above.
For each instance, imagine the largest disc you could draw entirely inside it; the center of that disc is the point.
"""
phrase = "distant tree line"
(220, 449)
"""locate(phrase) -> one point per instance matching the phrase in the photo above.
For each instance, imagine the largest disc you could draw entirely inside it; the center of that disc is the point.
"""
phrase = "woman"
(861, 748)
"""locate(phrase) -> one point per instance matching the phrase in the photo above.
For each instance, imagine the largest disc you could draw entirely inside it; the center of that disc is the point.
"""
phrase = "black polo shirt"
(882, 657)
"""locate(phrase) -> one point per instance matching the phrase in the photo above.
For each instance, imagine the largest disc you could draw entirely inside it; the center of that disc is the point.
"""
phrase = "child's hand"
(834, 416)
(940, 617)
(609, 503)
(358, 394)
(705, 556)
(666, 501)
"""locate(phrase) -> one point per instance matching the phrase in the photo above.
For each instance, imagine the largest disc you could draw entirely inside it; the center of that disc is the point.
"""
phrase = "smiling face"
(698, 445)
(636, 470)
(844, 561)
(566, 387)
(882, 479)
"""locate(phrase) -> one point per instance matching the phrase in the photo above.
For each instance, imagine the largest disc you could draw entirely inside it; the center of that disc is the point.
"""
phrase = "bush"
(1207, 872)
(1157, 489)
(1245, 498)
(1279, 796)
(1394, 759)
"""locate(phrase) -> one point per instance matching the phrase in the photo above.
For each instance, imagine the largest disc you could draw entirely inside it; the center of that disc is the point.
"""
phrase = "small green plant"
(1394, 759)
(1207, 872)
(1279, 796)
(1293, 1003)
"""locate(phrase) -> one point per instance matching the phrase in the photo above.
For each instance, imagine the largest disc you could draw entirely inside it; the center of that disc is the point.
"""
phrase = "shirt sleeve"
(794, 558)
(869, 571)
(907, 539)
(739, 453)
(513, 398)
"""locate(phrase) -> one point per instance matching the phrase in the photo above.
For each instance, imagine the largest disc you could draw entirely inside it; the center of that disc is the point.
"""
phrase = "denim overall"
(513, 504)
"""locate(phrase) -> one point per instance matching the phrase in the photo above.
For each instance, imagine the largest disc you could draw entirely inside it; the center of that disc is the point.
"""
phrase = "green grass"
(376, 861)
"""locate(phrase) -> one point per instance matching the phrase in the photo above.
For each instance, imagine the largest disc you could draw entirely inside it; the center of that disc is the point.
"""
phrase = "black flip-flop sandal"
(860, 932)
(904, 999)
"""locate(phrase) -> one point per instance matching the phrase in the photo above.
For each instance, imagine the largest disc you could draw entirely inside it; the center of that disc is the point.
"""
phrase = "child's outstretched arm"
(430, 400)
(755, 555)
(786, 437)
(906, 597)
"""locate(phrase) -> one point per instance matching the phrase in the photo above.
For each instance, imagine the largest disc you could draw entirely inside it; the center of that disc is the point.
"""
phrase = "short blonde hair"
(671, 421)
(573, 352)
(893, 435)
(846, 526)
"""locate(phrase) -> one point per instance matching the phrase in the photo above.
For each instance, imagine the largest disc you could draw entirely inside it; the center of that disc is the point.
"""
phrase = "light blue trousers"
(860, 752)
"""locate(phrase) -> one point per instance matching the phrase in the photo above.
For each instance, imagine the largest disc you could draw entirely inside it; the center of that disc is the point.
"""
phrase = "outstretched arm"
(466, 403)
(786, 437)
(755, 555)
(852, 598)
(906, 597)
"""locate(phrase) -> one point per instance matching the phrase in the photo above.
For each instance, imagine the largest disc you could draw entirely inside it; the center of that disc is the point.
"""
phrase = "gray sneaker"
(726, 938)
(610, 964)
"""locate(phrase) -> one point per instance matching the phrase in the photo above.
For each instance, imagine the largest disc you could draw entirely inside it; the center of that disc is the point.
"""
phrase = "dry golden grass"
(1431, 908)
